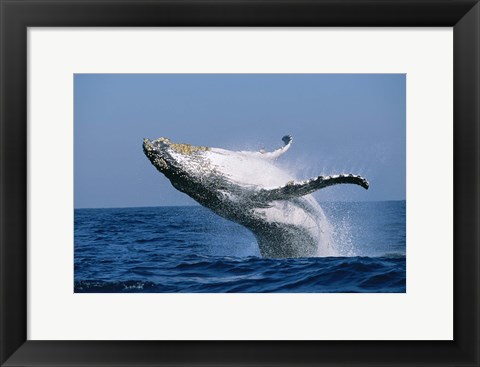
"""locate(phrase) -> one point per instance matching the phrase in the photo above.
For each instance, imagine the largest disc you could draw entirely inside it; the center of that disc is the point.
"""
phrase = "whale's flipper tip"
(351, 179)
(287, 139)
(362, 182)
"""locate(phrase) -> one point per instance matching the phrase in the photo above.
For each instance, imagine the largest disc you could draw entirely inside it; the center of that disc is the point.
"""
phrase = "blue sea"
(190, 249)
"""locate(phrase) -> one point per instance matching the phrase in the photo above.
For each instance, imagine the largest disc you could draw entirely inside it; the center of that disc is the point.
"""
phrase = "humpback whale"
(247, 187)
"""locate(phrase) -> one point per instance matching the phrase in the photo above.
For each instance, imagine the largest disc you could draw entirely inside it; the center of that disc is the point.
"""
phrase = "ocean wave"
(191, 250)
(360, 274)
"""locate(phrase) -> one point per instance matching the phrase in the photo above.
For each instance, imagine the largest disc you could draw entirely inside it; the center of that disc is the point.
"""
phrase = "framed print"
(216, 259)
(239, 183)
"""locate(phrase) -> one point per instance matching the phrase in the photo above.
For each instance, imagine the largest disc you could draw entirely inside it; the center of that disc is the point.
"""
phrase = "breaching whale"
(248, 188)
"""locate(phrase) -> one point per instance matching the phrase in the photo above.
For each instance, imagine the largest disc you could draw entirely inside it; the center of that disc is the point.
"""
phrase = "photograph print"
(240, 183)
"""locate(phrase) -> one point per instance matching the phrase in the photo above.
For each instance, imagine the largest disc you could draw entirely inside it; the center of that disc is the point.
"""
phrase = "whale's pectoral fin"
(296, 189)
(287, 141)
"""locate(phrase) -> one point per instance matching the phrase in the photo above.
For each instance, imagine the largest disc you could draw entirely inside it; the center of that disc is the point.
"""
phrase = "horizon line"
(198, 205)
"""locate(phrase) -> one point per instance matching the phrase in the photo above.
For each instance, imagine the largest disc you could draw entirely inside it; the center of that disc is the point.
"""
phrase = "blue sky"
(340, 123)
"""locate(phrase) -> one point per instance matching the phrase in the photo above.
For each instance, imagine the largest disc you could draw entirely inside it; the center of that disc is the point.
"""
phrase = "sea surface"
(190, 249)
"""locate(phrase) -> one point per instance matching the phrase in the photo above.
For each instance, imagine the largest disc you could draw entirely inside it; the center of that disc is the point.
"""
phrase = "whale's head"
(158, 153)
(184, 165)
(170, 158)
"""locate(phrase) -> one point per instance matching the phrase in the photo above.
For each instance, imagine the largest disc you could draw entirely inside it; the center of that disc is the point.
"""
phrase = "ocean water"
(190, 249)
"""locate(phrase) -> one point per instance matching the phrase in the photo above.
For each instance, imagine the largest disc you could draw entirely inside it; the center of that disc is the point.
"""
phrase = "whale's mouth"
(154, 152)
(148, 148)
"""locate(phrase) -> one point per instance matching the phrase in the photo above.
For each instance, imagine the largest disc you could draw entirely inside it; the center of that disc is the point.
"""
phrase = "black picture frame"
(17, 15)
